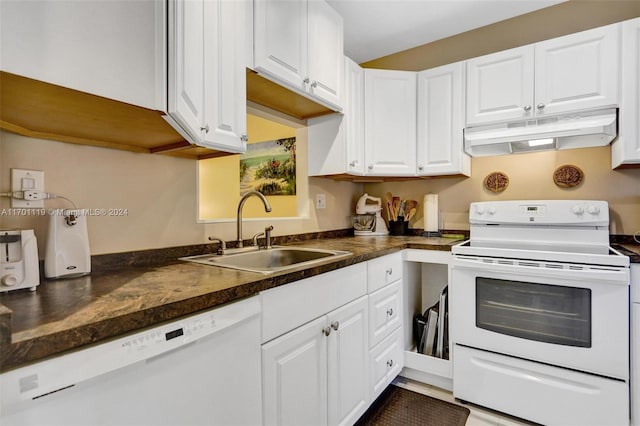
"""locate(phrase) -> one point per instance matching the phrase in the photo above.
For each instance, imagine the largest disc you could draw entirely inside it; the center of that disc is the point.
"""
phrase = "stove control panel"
(543, 212)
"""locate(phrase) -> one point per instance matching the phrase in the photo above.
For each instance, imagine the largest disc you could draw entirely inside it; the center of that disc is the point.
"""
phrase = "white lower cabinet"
(318, 373)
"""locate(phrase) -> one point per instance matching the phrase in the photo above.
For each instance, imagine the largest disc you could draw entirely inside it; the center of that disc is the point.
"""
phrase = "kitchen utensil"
(411, 213)
(396, 207)
(18, 260)
(408, 205)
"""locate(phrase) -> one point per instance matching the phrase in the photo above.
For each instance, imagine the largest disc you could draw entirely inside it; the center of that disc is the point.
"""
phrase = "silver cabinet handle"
(244, 137)
(314, 84)
(390, 271)
(370, 166)
(306, 80)
(420, 167)
(540, 106)
(390, 363)
(205, 128)
(335, 325)
(527, 107)
(326, 331)
(390, 312)
(353, 163)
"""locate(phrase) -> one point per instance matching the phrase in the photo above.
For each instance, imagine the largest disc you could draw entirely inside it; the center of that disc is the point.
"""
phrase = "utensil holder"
(398, 227)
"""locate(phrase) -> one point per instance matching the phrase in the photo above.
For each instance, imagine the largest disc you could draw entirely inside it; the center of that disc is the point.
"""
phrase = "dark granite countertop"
(67, 314)
(63, 315)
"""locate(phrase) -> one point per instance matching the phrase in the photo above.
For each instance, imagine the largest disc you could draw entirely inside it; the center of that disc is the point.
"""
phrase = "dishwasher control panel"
(180, 332)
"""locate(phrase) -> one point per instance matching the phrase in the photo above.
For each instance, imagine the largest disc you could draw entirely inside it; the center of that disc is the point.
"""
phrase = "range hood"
(575, 130)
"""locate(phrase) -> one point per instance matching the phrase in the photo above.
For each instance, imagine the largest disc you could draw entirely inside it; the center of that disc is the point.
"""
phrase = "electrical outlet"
(321, 201)
(22, 180)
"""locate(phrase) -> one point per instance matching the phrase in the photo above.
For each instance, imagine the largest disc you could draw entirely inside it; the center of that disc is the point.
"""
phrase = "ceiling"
(376, 28)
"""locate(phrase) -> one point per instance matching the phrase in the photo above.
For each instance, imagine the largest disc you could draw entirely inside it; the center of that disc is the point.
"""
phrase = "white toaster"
(18, 260)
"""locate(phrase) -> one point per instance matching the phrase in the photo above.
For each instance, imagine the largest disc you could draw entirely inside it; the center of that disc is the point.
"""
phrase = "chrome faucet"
(267, 208)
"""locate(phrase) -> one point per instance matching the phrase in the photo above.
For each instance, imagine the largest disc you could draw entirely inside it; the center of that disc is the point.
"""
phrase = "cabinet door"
(186, 66)
(500, 86)
(440, 124)
(114, 49)
(390, 122)
(225, 94)
(578, 71)
(626, 148)
(354, 117)
(294, 377)
(280, 40)
(326, 54)
(336, 142)
(348, 361)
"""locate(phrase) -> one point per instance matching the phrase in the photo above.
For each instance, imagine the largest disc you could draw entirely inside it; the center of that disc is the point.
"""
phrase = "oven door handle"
(591, 273)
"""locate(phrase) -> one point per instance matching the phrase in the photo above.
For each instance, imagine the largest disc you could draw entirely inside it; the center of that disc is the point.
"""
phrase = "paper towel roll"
(431, 212)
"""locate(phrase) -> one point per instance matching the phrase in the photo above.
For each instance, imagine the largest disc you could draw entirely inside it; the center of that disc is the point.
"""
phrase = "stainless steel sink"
(271, 260)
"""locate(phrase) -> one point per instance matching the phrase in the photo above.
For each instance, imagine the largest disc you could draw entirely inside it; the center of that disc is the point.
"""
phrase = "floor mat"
(400, 407)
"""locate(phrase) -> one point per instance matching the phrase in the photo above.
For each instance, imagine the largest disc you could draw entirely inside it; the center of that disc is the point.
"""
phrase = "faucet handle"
(255, 238)
(223, 245)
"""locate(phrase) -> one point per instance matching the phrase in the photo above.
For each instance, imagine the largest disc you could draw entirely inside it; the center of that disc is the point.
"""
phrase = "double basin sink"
(268, 261)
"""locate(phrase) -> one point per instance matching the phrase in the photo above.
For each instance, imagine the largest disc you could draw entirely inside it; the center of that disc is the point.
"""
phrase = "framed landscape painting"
(269, 167)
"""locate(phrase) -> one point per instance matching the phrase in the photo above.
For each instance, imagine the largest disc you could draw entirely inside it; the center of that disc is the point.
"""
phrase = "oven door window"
(541, 312)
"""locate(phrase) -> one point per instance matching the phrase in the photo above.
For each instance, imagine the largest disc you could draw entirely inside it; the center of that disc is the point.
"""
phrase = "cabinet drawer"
(384, 312)
(385, 362)
(291, 305)
(384, 270)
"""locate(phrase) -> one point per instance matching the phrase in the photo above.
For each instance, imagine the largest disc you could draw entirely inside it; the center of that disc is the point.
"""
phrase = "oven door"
(573, 316)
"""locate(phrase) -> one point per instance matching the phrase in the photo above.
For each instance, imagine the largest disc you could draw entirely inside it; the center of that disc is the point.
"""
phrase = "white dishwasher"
(200, 370)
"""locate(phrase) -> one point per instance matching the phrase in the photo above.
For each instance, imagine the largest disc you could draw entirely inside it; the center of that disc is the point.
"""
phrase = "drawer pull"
(335, 325)
(326, 331)
(390, 363)
(389, 271)
(390, 312)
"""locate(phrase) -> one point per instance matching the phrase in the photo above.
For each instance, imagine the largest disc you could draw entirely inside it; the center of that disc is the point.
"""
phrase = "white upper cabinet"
(578, 71)
(440, 122)
(300, 45)
(390, 122)
(500, 86)
(113, 49)
(354, 117)
(564, 74)
(207, 85)
(626, 148)
(336, 142)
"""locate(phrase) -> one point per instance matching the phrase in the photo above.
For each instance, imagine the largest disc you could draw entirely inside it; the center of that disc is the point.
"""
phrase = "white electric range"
(540, 313)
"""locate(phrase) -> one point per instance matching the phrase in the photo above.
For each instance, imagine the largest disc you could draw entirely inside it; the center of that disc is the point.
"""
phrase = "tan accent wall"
(158, 192)
(530, 178)
(554, 21)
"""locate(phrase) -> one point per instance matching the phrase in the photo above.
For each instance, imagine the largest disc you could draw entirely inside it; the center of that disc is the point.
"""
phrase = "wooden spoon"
(408, 205)
(410, 215)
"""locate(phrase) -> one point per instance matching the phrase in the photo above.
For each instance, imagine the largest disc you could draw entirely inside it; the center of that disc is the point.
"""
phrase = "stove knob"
(479, 209)
(578, 210)
(593, 210)
(9, 280)
(492, 210)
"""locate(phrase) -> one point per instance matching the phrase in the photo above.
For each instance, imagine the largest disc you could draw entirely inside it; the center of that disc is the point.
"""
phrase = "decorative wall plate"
(568, 176)
(496, 181)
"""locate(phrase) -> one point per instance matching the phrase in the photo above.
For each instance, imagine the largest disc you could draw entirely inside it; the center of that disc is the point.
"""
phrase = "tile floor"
(479, 416)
